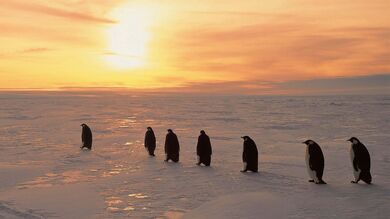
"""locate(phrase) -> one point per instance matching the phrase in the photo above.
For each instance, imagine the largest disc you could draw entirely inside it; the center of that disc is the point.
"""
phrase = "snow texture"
(44, 174)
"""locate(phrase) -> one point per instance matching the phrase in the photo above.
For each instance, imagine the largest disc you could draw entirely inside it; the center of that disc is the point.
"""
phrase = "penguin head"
(170, 130)
(83, 125)
(149, 128)
(308, 142)
(354, 140)
(246, 138)
(202, 132)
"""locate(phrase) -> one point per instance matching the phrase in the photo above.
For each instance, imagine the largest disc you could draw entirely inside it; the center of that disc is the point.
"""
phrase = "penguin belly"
(356, 174)
(312, 173)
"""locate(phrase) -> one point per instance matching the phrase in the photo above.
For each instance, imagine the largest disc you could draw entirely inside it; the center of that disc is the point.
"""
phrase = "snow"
(44, 174)
(247, 205)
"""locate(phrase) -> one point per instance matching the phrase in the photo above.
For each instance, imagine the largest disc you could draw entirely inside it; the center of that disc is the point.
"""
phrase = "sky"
(249, 46)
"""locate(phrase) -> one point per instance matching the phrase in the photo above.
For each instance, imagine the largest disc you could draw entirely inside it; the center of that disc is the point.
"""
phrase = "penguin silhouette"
(203, 149)
(86, 137)
(361, 161)
(150, 141)
(249, 155)
(314, 161)
(172, 147)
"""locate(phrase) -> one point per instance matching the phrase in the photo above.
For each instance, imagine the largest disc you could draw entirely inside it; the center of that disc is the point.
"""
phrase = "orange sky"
(49, 44)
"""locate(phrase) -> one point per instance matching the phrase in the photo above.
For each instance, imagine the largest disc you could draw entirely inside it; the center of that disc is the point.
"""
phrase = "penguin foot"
(243, 171)
(354, 181)
(321, 182)
(311, 180)
(85, 148)
(166, 160)
(198, 164)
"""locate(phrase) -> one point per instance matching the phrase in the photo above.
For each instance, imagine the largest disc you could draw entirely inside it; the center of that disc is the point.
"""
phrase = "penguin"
(249, 155)
(314, 162)
(172, 147)
(203, 149)
(150, 141)
(86, 137)
(361, 162)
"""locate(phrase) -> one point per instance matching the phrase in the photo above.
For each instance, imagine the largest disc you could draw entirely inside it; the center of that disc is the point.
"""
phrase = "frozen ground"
(44, 174)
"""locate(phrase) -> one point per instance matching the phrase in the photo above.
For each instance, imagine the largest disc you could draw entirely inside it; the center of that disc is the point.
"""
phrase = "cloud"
(57, 12)
(36, 50)
(43, 34)
(233, 13)
(380, 80)
(372, 84)
(378, 84)
(285, 47)
(27, 51)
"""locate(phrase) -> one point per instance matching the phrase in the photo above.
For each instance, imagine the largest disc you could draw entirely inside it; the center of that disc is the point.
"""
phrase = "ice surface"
(44, 174)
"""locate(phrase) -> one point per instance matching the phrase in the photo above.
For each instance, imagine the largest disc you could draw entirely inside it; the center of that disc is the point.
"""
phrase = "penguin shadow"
(172, 164)
(265, 176)
(312, 182)
(252, 176)
(97, 154)
(373, 186)
(377, 188)
(83, 156)
(327, 188)
(345, 192)
(150, 158)
(204, 169)
(250, 173)
(202, 166)
(347, 189)
(74, 158)
(179, 169)
(151, 161)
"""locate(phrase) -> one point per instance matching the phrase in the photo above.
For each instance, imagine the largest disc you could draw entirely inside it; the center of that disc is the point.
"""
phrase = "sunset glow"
(175, 44)
(128, 39)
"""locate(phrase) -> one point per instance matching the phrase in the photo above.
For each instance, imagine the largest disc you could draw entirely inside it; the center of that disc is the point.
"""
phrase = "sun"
(128, 39)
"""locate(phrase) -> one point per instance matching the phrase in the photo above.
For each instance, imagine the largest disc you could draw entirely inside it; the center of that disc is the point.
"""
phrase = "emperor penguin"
(361, 162)
(150, 141)
(203, 149)
(314, 162)
(250, 155)
(86, 137)
(172, 147)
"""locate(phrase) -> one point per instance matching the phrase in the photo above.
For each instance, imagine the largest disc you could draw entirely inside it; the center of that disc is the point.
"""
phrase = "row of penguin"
(360, 156)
